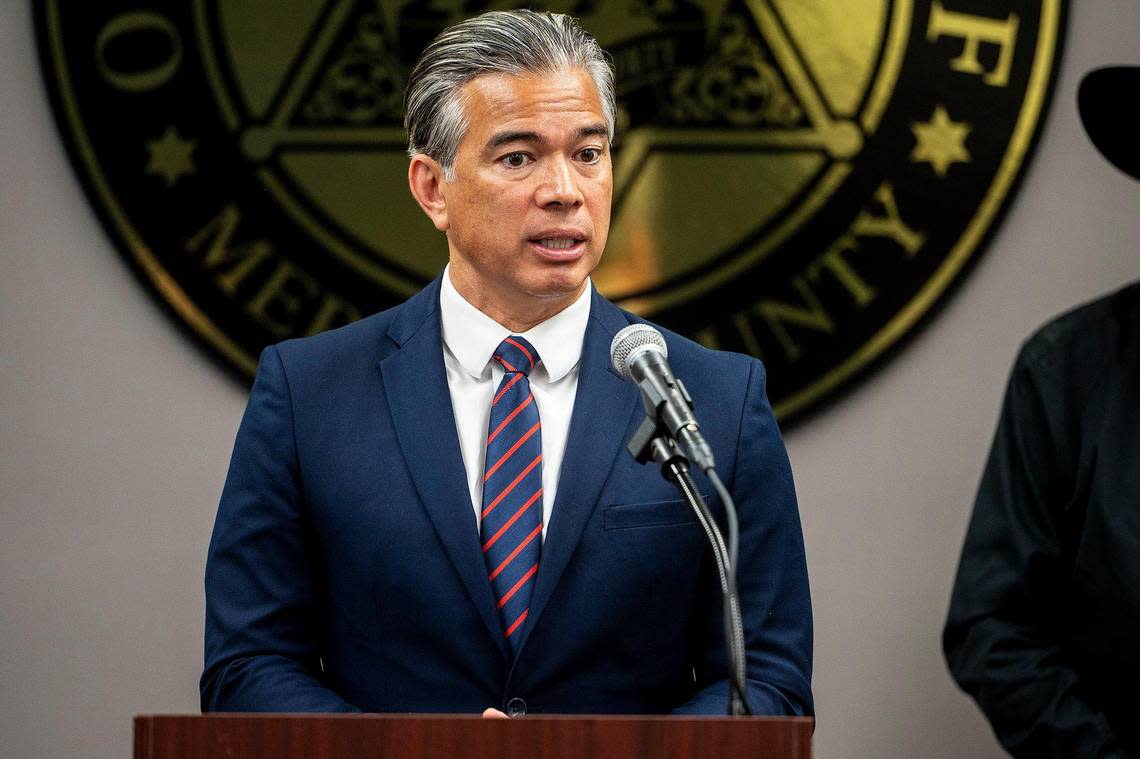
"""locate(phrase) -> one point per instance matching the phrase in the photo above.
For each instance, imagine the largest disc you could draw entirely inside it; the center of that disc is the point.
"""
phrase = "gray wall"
(116, 432)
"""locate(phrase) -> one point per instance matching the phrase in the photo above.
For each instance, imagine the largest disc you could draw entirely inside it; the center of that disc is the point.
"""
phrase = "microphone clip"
(669, 407)
(652, 442)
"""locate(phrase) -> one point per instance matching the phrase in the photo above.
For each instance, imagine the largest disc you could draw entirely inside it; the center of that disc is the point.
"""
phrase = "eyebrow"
(594, 130)
(502, 138)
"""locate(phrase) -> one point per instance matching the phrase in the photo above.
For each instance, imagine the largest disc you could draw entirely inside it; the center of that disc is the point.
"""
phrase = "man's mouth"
(558, 243)
(561, 245)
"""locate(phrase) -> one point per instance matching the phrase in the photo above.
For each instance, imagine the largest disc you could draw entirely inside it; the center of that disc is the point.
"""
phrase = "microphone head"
(631, 342)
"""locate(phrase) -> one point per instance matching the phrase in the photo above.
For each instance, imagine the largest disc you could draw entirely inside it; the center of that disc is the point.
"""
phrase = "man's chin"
(560, 285)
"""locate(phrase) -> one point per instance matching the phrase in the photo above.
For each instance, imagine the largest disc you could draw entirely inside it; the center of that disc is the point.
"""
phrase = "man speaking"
(433, 509)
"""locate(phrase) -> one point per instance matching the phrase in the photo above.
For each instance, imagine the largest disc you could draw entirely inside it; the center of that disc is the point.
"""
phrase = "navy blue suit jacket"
(345, 570)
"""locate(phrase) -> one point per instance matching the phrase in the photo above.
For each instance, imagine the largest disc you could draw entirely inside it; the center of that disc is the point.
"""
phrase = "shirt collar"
(472, 337)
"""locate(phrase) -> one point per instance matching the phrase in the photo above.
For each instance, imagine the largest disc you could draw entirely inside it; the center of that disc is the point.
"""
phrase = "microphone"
(638, 353)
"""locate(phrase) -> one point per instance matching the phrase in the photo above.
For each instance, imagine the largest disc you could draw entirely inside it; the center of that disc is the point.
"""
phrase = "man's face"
(528, 212)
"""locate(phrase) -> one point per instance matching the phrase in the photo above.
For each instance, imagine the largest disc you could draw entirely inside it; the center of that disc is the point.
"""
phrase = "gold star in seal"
(170, 156)
(941, 141)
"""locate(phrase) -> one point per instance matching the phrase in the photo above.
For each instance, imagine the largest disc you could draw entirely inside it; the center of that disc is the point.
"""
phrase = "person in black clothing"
(1044, 623)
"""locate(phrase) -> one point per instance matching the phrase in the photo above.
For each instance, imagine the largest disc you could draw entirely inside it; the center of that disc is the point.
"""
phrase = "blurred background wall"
(115, 433)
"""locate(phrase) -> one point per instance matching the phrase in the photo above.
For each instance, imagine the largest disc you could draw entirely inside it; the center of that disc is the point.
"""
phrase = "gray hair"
(499, 42)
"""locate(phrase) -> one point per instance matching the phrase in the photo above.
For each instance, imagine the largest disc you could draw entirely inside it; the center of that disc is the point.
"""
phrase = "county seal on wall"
(801, 181)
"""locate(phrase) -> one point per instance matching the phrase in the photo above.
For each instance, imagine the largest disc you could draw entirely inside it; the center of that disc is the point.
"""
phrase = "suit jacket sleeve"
(771, 577)
(1003, 636)
(263, 590)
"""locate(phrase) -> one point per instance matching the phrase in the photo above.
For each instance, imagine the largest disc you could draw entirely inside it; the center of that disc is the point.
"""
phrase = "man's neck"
(521, 316)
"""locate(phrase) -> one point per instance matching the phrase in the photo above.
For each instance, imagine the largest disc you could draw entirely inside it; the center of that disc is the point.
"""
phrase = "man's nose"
(558, 184)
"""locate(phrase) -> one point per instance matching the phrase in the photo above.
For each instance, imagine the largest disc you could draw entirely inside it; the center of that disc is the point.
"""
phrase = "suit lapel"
(415, 384)
(603, 407)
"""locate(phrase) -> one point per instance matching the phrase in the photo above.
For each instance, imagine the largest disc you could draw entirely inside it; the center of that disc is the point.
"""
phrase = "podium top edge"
(419, 716)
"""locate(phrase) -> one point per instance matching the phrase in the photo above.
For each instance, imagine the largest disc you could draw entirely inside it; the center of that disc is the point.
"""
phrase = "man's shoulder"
(365, 341)
(714, 371)
(685, 352)
(1090, 336)
(364, 337)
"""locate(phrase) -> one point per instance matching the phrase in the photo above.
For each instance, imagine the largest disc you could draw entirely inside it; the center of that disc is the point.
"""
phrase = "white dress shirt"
(470, 338)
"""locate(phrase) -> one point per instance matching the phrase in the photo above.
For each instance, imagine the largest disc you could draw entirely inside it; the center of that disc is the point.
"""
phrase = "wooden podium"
(391, 736)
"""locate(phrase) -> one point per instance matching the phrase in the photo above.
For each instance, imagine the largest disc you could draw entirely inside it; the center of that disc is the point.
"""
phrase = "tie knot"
(516, 355)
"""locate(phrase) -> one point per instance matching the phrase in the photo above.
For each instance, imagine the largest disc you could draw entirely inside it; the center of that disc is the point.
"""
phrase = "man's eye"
(515, 160)
(591, 155)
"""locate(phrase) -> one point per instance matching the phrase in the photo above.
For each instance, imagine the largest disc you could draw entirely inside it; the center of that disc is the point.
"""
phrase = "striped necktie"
(511, 527)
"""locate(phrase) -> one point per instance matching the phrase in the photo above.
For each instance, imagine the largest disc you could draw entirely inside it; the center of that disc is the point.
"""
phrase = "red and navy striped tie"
(512, 488)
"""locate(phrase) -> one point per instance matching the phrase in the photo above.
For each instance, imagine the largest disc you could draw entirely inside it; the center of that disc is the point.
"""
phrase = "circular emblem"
(798, 181)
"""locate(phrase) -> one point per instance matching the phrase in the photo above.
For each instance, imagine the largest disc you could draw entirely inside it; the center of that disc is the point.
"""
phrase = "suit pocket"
(656, 514)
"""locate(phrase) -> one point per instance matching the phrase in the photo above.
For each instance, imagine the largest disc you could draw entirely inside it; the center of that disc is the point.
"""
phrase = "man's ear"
(425, 179)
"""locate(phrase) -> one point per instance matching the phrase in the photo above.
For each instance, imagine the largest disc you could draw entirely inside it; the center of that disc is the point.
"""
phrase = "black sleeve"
(1003, 638)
